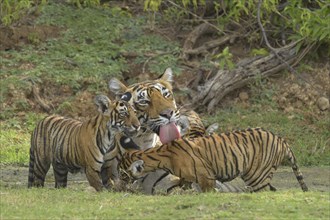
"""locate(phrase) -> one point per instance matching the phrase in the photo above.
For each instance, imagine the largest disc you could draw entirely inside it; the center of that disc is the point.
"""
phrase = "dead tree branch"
(190, 41)
(42, 103)
(209, 45)
(226, 81)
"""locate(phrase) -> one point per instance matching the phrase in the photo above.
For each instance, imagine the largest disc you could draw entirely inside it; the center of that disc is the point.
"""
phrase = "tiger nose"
(167, 113)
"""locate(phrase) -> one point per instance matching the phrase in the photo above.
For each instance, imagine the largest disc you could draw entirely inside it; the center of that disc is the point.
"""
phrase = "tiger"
(191, 124)
(159, 116)
(253, 154)
(187, 122)
(71, 145)
(193, 127)
(155, 107)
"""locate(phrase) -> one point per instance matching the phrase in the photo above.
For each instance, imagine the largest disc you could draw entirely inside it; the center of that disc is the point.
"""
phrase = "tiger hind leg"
(261, 183)
(38, 169)
(61, 175)
(266, 187)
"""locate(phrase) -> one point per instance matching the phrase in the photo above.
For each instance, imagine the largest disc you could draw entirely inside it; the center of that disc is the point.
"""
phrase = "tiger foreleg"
(111, 177)
(206, 184)
(94, 178)
(106, 180)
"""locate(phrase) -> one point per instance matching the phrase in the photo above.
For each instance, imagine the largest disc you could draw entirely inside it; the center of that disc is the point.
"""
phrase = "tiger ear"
(167, 75)
(116, 86)
(102, 102)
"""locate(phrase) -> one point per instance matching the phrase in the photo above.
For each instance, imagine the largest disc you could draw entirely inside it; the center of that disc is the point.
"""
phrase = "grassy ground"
(79, 201)
(68, 203)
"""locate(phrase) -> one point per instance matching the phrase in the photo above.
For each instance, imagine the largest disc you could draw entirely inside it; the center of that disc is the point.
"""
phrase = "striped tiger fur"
(253, 154)
(191, 124)
(160, 181)
(153, 98)
(71, 145)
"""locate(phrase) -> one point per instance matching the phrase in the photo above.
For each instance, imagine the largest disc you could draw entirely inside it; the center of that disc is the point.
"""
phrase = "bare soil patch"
(316, 178)
(15, 37)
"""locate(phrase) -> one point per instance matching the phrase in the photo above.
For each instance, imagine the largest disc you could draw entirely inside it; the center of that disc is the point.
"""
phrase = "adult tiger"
(253, 154)
(71, 145)
(159, 117)
(155, 108)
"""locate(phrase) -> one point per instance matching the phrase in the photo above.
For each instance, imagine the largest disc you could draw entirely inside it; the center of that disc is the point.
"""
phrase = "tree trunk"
(246, 71)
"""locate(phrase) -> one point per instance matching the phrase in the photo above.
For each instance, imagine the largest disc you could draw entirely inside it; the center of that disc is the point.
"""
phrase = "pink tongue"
(168, 133)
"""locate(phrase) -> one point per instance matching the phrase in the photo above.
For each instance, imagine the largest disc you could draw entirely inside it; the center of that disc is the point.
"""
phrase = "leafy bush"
(14, 10)
(84, 3)
(304, 21)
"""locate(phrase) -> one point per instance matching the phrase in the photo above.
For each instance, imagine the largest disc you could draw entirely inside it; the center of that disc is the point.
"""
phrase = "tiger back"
(70, 145)
(253, 154)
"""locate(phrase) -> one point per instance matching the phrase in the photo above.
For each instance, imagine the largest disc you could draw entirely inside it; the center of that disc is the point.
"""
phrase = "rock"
(289, 109)
(290, 117)
(243, 96)
(299, 104)
(21, 114)
(294, 88)
(323, 103)
(282, 102)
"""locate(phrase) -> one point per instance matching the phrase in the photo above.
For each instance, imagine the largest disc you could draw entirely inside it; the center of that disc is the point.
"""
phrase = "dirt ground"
(316, 178)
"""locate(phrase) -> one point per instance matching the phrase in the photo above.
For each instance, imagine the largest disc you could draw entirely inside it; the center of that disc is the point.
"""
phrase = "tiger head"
(120, 115)
(154, 103)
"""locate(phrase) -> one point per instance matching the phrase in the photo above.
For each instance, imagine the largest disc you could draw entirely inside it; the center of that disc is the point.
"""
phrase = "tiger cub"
(253, 154)
(70, 145)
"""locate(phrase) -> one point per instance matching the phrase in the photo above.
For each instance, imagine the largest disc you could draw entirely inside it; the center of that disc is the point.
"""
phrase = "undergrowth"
(89, 52)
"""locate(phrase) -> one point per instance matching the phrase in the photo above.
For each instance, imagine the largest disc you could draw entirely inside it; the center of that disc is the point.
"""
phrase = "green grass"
(15, 139)
(15, 147)
(71, 204)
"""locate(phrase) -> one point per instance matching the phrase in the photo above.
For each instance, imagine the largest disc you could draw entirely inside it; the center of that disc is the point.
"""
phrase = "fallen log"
(246, 71)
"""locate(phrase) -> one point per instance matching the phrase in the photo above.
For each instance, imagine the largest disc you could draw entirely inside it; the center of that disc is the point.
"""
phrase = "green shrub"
(304, 21)
(14, 10)
(84, 3)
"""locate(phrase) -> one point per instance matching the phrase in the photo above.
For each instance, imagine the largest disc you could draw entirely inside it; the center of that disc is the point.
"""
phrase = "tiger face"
(155, 104)
(121, 115)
